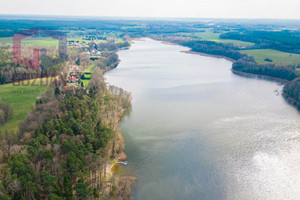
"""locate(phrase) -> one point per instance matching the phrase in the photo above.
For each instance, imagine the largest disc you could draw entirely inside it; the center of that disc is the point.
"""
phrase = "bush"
(5, 112)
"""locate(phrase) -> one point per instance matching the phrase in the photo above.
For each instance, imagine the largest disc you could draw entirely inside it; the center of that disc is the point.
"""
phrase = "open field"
(85, 82)
(4, 40)
(237, 43)
(278, 57)
(207, 35)
(88, 70)
(21, 97)
(41, 42)
(119, 40)
(33, 41)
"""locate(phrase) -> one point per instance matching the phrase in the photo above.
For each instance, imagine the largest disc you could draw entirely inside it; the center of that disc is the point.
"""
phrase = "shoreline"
(208, 55)
(125, 183)
(291, 101)
(283, 81)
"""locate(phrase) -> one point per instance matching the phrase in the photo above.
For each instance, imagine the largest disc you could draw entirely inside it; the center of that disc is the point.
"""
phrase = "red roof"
(72, 78)
(76, 69)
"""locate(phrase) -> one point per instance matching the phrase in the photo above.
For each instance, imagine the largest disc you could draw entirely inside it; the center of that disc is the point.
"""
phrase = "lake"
(198, 131)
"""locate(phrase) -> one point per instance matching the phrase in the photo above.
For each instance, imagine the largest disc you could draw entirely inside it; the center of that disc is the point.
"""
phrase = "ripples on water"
(197, 131)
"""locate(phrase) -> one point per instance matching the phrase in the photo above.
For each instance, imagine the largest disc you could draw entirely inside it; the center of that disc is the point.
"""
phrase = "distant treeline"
(288, 41)
(214, 48)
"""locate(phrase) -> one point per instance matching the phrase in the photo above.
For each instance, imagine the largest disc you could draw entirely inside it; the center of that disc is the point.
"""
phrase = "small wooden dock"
(122, 163)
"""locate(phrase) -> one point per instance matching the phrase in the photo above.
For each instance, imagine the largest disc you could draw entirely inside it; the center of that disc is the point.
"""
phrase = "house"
(76, 69)
(71, 79)
(74, 74)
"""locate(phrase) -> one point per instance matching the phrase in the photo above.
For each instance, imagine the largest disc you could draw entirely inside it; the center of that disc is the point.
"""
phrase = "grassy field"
(21, 97)
(87, 75)
(88, 70)
(85, 82)
(237, 43)
(278, 57)
(41, 42)
(207, 35)
(4, 40)
(32, 41)
(119, 40)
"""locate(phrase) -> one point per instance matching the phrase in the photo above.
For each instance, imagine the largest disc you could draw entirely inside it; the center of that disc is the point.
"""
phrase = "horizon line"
(143, 17)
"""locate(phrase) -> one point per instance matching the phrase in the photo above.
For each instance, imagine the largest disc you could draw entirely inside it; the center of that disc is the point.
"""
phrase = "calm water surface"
(197, 131)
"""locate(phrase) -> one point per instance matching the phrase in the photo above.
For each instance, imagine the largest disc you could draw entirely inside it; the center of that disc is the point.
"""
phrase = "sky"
(264, 9)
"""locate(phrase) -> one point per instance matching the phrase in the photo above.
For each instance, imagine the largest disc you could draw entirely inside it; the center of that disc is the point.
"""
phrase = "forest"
(287, 41)
(5, 112)
(292, 92)
(62, 147)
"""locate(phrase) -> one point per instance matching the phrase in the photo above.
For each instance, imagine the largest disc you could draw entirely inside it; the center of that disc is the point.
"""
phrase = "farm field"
(237, 43)
(33, 41)
(207, 35)
(21, 97)
(277, 57)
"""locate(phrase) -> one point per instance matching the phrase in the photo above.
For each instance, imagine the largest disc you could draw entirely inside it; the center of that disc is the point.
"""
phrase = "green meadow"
(207, 35)
(237, 43)
(277, 57)
(21, 96)
(33, 41)
(41, 42)
(88, 70)
(5, 40)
